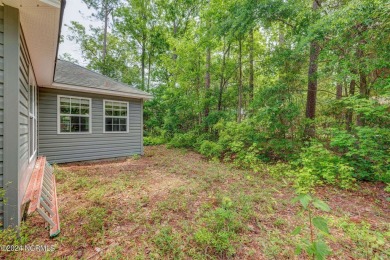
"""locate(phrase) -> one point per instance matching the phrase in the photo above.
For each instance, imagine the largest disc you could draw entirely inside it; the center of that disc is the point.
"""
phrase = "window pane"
(84, 102)
(108, 109)
(84, 111)
(109, 121)
(65, 109)
(75, 120)
(75, 109)
(75, 128)
(65, 119)
(115, 128)
(65, 105)
(116, 121)
(123, 128)
(108, 112)
(122, 121)
(109, 105)
(84, 120)
(117, 112)
(84, 128)
(84, 107)
(75, 101)
(124, 112)
(65, 101)
(108, 128)
(31, 137)
(35, 135)
(65, 128)
(32, 99)
(65, 124)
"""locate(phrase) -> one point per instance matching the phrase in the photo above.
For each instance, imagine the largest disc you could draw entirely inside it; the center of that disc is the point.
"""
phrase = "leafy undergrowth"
(173, 204)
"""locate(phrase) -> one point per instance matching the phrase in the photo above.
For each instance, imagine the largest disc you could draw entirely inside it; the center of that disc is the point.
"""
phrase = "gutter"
(63, 4)
(97, 91)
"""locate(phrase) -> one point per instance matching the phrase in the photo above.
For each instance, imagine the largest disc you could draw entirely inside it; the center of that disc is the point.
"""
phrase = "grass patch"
(173, 204)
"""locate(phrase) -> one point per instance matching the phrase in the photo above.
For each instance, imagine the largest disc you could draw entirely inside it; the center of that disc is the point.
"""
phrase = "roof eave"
(62, 86)
(40, 23)
(63, 4)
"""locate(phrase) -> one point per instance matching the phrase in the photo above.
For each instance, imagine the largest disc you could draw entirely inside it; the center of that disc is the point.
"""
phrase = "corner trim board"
(12, 214)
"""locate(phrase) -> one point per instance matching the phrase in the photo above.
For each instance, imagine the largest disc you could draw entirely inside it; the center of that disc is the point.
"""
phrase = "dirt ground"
(170, 203)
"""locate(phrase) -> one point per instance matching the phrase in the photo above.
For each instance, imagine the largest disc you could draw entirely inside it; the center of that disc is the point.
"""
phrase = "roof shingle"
(74, 75)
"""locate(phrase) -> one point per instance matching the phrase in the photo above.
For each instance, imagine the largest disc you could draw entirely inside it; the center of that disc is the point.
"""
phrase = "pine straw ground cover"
(172, 203)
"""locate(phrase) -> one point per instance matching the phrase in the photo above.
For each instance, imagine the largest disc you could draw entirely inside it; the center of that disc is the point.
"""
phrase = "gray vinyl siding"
(61, 148)
(16, 168)
(1, 104)
(25, 165)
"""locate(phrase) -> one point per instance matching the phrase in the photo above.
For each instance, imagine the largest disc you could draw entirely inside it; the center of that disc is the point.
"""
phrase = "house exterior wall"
(62, 148)
(1, 105)
(17, 167)
(26, 163)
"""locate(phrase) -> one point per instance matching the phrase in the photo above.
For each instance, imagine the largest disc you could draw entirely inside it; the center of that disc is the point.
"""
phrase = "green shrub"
(240, 144)
(201, 137)
(366, 150)
(280, 170)
(154, 140)
(319, 166)
(186, 140)
(249, 146)
(210, 149)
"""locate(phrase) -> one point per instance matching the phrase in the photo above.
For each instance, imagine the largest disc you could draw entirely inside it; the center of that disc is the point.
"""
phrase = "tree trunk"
(312, 84)
(149, 68)
(222, 81)
(143, 58)
(251, 71)
(207, 81)
(174, 55)
(349, 114)
(105, 39)
(363, 94)
(239, 112)
(339, 91)
(339, 95)
(362, 84)
(198, 87)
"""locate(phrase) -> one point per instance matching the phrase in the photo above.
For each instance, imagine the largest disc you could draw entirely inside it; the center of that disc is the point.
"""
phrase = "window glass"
(32, 115)
(74, 115)
(116, 119)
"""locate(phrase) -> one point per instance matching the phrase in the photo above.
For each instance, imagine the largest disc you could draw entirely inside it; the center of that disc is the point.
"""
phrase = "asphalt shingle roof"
(72, 74)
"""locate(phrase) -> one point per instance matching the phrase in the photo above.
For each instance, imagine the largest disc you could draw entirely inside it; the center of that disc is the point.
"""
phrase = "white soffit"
(40, 24)
(55, 3)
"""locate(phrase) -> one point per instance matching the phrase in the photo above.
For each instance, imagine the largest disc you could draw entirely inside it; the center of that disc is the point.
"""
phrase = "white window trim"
(104, 117)
(33, 115)
(59, 115)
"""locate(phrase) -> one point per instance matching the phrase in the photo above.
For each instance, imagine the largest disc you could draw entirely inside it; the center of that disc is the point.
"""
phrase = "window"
(32, 115)
(74, 115)
(115, 116)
